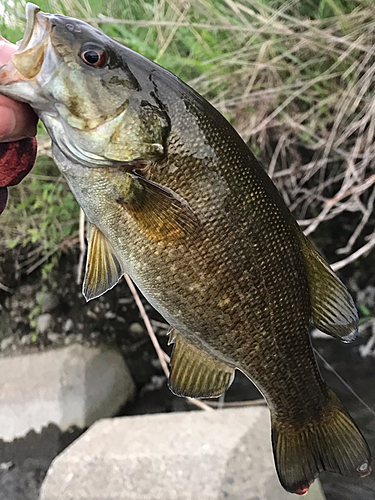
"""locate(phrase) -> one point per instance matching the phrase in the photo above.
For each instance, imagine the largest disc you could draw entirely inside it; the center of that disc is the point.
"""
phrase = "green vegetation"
(42, 217)
(296, 78)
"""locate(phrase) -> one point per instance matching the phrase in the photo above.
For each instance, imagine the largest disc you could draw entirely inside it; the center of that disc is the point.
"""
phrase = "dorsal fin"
(103, 269)
(194, 373)
(333, 309)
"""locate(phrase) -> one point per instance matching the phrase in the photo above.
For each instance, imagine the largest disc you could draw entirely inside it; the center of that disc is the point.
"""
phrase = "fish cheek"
(104, 92)
(86, 102)
(110, 90)
(141, 135)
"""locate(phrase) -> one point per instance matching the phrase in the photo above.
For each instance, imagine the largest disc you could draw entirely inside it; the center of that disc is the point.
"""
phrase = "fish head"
(79, 82)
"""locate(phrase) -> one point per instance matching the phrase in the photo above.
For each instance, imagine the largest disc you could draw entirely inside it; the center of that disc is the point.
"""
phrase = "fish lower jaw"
(19, 90)
(70, 154)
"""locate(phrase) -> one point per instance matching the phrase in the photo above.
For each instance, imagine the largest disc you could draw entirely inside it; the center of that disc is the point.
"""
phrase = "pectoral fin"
(103, 269)
(196, 374)
(333, 309)
(158, 211)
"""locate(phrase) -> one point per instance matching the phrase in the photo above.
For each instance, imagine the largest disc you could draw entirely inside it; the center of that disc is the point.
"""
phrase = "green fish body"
(177, 200)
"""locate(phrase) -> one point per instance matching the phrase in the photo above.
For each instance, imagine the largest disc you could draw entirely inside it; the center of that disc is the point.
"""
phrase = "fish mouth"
(29, 57)
(31, 21)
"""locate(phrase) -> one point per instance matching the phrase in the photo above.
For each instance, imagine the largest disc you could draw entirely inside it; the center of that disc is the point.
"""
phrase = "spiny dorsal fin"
(194, 373)
(333, 309)
(103, 269)
(158, 211)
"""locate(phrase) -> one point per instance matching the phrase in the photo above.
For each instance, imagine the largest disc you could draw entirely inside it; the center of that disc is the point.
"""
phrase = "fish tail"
(330, 441)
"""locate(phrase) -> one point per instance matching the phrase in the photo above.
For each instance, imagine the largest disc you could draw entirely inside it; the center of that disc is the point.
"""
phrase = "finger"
(7, 49)
(17, 120)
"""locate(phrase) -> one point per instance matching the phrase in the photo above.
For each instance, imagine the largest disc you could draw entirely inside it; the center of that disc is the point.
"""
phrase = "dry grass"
(296, 79)
(301, 91)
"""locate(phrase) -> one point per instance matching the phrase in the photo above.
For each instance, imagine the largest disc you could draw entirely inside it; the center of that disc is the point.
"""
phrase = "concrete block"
(222, 454)
(70, 386)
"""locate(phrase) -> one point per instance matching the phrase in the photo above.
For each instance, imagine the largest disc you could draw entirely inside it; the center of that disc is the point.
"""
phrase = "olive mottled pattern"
(177, 200)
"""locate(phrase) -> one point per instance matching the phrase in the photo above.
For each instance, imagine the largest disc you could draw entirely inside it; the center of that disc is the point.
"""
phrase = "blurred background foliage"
(296, 79)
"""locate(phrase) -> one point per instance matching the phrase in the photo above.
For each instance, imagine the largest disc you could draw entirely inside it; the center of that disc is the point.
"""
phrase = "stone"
(68, 325)
(110, 315)
(26, 339)
(222, 454)
(53, 337)
(44, 322)
(68, 386)
(136, 329)
(48, 300)
(5, 343)
(6, 465)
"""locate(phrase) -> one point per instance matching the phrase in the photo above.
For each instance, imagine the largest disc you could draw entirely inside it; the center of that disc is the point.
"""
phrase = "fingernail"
(8, 123)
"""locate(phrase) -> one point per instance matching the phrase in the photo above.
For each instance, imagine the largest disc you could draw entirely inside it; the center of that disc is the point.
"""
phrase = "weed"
(42, 216)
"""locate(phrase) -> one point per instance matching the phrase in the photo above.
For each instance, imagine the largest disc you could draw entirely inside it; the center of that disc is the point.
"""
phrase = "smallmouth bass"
(177, 200)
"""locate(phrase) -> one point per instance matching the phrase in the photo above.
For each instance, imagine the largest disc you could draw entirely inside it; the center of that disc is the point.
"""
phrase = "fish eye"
(93, 55)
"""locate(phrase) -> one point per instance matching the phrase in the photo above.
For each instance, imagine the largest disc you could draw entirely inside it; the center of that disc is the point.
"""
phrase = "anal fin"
(194, 373)
(333, 309)
(103, 269)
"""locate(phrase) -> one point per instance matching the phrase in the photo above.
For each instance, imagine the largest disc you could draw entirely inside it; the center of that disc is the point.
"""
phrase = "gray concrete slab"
(222, 454)
(69, 386)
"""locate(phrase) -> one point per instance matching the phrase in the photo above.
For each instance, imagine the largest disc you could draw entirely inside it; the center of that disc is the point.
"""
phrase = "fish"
(177, 200)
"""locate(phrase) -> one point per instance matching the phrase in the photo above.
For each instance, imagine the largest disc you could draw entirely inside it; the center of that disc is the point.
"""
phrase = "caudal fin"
(330, 442)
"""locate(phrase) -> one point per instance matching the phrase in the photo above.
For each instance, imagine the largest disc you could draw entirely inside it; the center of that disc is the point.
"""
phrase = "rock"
(223, 454)
(6, 465)
(26, 339)
(155, 362)
(109, 315)
(70, 339)
(68, 325)
(48, 301)
(53, 337)
(44, 322)
(73, 338)
(5, 343)
(68, 386)
(136, 329)
(125, 300)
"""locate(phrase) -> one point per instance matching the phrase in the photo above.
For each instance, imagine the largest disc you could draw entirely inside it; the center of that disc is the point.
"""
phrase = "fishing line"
(330, 367)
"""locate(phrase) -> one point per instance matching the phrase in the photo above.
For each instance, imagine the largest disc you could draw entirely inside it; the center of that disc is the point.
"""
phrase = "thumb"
(17, 120)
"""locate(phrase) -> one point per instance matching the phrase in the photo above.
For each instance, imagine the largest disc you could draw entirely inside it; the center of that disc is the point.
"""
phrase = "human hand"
(17, 120)
(17, 126)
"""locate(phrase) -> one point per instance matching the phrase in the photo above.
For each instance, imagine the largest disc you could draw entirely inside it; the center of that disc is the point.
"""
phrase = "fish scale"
(176, 199)
(266, 254)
